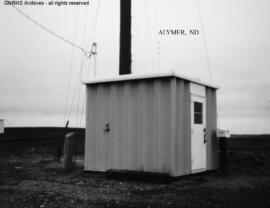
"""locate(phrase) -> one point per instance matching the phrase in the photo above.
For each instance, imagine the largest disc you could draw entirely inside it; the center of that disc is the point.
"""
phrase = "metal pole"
(125, 37)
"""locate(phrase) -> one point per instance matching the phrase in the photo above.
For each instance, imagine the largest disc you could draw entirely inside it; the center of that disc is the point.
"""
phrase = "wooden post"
(125, 37)
(68, 151)
(59, 144)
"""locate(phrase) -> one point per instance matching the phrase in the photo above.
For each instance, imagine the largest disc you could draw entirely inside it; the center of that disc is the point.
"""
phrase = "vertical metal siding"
(117, 126)
(183, 129)
(150, 126)
(211, 126)
(131, 92)
(98, 113)
(154, 125)
(173, 118)
(140, 136)
(90, 143)
(105, 117)
(148, 121)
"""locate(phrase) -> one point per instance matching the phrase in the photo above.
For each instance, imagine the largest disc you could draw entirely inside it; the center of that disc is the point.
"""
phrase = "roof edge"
(128, 77)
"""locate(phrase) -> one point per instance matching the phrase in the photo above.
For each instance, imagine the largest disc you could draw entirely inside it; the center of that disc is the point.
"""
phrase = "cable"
(204, 41)
(79, 93)
(87, 54)
(79, 97)
(94, 24)
(77, 85)
(92, 35)
(84, 98)
(51, 32)
(84, 26)
(71, 67)
(82, 111)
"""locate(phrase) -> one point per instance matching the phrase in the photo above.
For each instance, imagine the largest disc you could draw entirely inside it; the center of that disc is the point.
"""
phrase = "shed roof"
(129, 77)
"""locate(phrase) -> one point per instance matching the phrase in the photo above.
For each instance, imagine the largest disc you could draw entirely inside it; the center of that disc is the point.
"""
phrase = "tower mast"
(125, 37)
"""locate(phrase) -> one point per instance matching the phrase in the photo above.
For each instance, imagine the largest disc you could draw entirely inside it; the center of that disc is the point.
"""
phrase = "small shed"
(160, 123)
(2, 126)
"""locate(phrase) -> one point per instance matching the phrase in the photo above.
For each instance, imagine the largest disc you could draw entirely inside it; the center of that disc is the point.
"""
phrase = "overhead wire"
(91, 36)
(84, 98)
(204, 41)
(77, 84)
(85, 52)
(77, 91)
(82, 58)
(79, 96)
(77, 87)
(92, 33)
(71, 67)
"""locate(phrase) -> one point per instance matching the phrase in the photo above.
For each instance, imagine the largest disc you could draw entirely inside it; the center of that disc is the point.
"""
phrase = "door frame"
(197, 93)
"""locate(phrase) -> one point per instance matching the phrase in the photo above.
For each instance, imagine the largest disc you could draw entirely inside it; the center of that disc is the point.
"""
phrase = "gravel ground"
(36, 180)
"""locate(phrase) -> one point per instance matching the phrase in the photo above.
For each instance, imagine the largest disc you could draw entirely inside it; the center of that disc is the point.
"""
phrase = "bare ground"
(36, 180)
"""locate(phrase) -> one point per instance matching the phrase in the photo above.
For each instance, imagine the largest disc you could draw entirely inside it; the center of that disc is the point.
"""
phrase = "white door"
(198, 133)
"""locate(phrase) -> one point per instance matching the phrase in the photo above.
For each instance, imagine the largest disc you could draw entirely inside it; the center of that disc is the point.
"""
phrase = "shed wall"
(141, 132)
(183, 130)
(211, 126)
(149, 126)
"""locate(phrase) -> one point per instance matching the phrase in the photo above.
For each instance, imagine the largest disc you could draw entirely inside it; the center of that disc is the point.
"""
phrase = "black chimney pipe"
(125, 37)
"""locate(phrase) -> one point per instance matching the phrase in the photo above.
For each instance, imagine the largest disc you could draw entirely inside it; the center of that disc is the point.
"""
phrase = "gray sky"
(35, 66)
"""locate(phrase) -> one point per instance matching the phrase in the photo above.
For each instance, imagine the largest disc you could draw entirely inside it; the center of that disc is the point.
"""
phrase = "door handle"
(107, 127)
(204, 135)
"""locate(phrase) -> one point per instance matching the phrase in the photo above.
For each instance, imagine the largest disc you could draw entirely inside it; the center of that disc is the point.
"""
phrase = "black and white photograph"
(134, 103)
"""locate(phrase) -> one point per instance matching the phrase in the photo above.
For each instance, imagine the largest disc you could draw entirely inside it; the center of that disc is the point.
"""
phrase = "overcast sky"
(35, 66)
